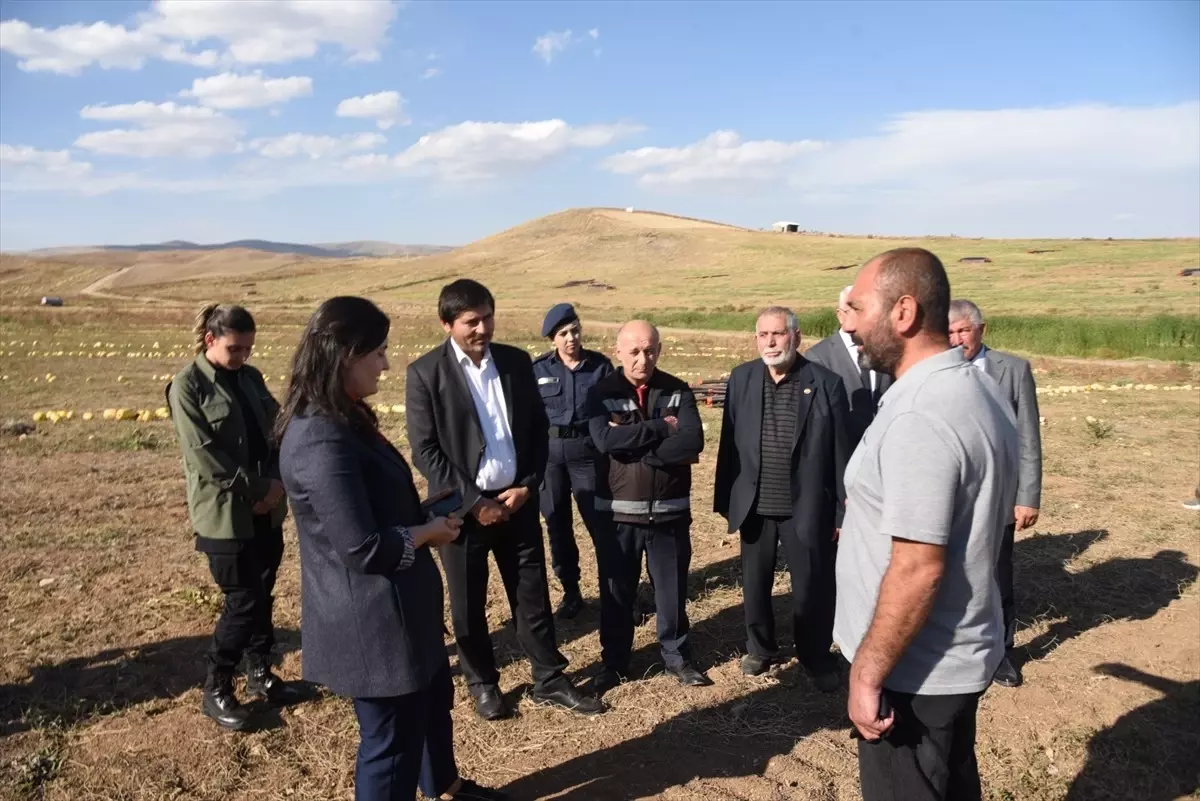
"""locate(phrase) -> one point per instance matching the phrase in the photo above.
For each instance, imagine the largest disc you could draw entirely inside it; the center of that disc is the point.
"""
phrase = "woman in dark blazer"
(371, 593)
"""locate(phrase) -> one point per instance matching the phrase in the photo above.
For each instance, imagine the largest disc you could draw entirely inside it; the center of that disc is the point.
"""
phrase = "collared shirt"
(780, 403)
(937, 466)
(853, 351)
(980, 359)
(564, 390)
(498, 470)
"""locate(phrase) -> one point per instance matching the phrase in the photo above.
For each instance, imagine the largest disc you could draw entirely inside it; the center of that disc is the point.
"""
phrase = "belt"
(564, 432)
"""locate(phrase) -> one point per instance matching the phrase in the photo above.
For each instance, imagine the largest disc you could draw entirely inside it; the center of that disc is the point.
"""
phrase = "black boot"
(572, 602)
(260, 681)
(221, 704)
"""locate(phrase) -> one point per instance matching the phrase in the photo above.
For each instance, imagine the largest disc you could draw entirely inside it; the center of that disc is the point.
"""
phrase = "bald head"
(638, 330)
(638, 349)
(919, 274)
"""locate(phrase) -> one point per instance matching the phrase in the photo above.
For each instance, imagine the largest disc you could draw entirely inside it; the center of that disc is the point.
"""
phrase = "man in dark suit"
(863, 386)
(1015, 377)
(476, 424)
(784, 448)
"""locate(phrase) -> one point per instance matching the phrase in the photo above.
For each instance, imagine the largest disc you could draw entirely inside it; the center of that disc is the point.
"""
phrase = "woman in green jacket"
(223, 415)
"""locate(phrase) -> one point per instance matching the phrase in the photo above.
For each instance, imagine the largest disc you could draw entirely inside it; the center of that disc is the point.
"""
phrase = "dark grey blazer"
(819, 455)
(1015, 377)
(832, 353)
(370, 629)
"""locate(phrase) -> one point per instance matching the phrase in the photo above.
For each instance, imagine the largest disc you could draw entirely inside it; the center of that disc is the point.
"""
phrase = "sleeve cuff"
(410, 551)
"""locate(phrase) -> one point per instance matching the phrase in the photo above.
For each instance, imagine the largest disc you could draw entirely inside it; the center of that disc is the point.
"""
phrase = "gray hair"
(843, 296)
(790, 319)
(964, 308)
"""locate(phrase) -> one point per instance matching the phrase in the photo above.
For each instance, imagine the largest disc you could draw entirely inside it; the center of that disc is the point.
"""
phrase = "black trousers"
(1004, 577)
(810, 560)
(573, 469)
(929, 754)
(668, 549)
(247, 579)
(516, 544)
(404, 742)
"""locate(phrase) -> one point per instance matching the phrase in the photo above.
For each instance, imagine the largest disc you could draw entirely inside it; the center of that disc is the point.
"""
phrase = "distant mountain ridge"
(322, 250)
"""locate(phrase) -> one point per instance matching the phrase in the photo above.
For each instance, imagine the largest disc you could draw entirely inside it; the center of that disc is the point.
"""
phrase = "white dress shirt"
(853, 349)
(498, 470)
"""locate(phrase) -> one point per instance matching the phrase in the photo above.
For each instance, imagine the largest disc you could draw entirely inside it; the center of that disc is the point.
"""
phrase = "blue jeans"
(405, 742)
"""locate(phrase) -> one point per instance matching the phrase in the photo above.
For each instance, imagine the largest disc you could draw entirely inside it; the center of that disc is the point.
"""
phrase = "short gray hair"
(790, 319)
(964, 308)
(843, 296)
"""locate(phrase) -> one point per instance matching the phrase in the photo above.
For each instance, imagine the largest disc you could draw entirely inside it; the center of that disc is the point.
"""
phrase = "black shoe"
(689, 676)
(608, 679)
(827, 680)
(1008, 674)
(755, 665)
(572, 604)
(489, 703)
(260, 681)
(222, 705)
(470, 791)
(563, 693)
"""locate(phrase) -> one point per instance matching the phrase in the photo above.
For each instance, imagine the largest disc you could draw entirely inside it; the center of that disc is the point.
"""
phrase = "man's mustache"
(856, 339)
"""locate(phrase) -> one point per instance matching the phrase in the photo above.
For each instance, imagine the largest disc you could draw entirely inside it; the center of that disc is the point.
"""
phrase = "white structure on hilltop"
(786, 227)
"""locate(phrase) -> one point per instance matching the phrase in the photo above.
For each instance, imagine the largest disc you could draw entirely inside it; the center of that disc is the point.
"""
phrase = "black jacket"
(444, 431)
(371, 610)
(819, 455)
(650, 466)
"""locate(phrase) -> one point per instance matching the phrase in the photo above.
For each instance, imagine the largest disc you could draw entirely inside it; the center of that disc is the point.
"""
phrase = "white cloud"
(230, 91)
(721, 156)
(248, 31)
(54, 162)
(164, 130)
(431, 72)
(147, 113)
(386, 108)
(314, 146)
(594, 33)
(479, 150)
(554, 42)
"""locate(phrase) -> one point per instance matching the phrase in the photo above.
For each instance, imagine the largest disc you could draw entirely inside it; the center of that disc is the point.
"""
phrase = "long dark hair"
(341, 328)
(219, 320)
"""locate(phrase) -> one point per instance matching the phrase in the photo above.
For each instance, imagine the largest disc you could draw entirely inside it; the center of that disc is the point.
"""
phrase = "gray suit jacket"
(1015, 377)
(831, 353)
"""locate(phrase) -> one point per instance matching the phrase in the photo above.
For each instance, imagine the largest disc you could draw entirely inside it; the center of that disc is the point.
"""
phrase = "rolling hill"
(328, 250)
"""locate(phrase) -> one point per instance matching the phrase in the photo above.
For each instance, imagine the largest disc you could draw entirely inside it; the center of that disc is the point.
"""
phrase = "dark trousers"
(405, 741)
(1004, 577)
(929, 754)
(247, 579)
(516, 544)
(810, 560)
(573, 469)
(668, 549)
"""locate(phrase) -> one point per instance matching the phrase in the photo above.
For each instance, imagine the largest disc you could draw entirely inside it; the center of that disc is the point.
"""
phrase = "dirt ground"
(107, 610)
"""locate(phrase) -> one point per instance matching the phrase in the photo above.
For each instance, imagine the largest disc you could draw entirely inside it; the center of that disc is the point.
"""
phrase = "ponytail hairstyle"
(341, 329)
(219, 320)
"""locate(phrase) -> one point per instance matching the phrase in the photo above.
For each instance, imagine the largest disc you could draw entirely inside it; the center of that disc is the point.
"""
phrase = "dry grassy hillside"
(610, 261)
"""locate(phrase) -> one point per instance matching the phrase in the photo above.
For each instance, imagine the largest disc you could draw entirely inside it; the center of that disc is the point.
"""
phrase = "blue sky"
(440, 123)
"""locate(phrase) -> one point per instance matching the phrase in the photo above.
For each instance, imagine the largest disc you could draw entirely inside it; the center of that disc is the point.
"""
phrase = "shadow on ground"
(112, 680)
(1149, 753)
(1126, 588)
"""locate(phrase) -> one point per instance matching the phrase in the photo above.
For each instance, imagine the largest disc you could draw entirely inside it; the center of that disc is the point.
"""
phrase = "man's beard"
(782, 359)
(881, 350)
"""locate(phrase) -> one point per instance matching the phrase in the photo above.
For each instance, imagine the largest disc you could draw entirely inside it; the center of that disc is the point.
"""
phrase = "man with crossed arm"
(928, 492)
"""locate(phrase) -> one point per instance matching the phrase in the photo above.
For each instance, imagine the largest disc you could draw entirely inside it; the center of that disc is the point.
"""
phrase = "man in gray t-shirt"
(929, 490)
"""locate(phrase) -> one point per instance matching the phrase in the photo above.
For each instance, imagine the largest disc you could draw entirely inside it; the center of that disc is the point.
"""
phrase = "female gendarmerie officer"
(565, 375)
(223, 415)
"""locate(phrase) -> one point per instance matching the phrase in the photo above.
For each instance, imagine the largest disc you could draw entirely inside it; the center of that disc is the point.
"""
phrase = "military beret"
(557, 317)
